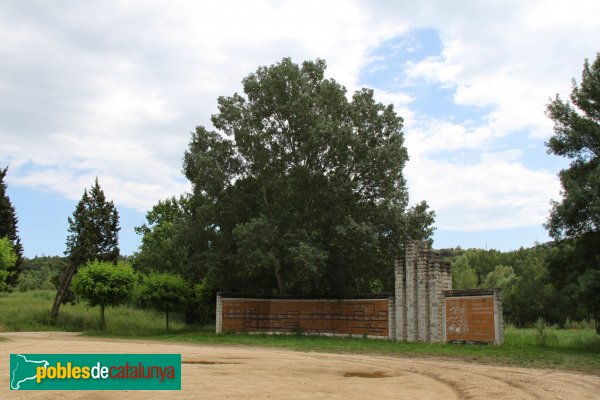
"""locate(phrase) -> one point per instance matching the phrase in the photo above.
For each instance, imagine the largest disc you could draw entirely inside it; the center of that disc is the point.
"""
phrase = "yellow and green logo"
(95, 371)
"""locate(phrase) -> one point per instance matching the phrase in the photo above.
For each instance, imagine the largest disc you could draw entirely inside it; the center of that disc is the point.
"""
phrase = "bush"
(579, 325)
(543, 333)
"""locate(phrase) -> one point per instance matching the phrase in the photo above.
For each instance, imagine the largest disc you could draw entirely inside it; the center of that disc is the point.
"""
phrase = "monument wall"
(423, 308)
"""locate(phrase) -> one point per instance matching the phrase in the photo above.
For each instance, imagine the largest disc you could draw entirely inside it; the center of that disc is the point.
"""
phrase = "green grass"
(30, 311)
(565, 349)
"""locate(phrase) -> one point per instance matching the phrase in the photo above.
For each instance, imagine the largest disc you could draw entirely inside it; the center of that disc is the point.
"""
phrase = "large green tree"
(575, 220)
(8, 226)
(577, 137)
(300, 189)
(93, 235)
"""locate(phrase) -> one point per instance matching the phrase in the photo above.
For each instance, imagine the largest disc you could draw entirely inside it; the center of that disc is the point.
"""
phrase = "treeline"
(533, 281)
(548, 280)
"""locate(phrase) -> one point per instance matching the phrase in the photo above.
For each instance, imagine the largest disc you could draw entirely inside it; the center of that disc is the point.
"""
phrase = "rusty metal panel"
(470, 319)
(356, 317)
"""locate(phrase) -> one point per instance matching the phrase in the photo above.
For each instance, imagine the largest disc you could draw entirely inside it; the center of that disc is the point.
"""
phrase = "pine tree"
(575, 220)
(577, 137)
(93, 235)
(8, 226)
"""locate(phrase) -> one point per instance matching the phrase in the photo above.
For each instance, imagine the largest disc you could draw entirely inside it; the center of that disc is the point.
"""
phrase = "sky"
(112, 89)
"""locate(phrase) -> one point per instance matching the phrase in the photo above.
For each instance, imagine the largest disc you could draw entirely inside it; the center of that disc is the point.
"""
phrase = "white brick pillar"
(219, 314)
(400, 300)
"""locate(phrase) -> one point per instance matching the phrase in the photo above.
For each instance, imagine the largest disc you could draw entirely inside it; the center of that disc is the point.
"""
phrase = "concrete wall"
(368, 317)
(424, 308)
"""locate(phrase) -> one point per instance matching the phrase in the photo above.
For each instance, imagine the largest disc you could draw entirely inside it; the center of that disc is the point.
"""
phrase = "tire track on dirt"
(461, 385)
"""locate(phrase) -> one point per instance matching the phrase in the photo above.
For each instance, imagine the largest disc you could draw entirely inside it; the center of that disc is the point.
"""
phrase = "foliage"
(8, 260)
(463, 276)
(93, 229)
(544, 335)
(503, 277)
(37, 279)
(575, 220)
(299, 190)
(93, 235)
(583, 324)
(41, 273)
(164, 292)
(205, 300)
(523, 275)
(577, 137)
(103, 284)
(8, 227)
(163, 246)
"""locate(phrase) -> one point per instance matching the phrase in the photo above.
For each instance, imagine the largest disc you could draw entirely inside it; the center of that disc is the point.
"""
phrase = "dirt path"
(225, 372)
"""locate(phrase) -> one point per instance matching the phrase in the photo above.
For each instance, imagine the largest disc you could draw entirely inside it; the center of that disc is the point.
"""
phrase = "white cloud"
(506, 58)
(112, 89)
(496, 192)
(433, 69)
(430, 136)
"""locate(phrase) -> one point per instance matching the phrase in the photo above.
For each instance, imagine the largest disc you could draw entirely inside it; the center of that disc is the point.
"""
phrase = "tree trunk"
(62, 288)
(167, 317)
(280, 281)
(266, 200)
(102, 320)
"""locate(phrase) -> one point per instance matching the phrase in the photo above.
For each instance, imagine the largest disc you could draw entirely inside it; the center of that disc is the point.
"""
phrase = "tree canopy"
(104, 284)
(164, 292)
(8, 226)
(93, 229)
(300, 189)
(164, 238)
(577, 137)
(575, 220)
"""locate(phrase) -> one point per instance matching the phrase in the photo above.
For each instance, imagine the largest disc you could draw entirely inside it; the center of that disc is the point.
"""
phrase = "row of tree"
(531, 286)
(300, 190)
(104, 284)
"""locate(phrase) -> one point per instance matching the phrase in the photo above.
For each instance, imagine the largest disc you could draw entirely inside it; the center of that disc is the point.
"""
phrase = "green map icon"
(23, 370)
(102, 371)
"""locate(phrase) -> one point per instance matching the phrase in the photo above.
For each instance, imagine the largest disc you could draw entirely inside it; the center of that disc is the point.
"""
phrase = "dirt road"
(218, 372)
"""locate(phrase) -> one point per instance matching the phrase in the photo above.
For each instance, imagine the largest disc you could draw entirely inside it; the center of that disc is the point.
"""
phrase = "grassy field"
(564, 349)
(30, 311)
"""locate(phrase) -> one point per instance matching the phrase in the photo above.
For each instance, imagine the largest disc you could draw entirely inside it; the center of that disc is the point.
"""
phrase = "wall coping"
(370, 296)
(470, 292)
